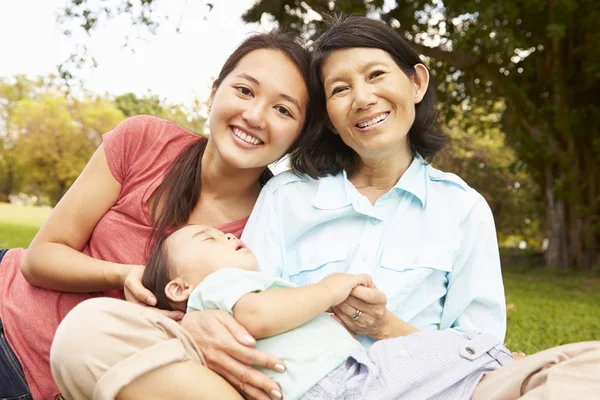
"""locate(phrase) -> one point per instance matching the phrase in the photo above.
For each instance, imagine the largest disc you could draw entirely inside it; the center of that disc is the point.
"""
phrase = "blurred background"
(518, 83)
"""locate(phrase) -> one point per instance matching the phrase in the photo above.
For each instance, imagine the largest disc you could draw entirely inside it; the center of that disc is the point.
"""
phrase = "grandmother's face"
(371, 101)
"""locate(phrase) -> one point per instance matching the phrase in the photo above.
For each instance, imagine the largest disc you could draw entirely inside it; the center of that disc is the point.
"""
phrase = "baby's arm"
(274, 311)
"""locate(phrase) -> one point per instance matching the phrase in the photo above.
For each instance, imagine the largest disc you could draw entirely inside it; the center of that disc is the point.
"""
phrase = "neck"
(381, 174)
(220, 179)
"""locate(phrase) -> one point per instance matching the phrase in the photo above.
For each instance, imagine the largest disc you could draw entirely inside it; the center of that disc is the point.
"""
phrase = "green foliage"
(478, 151)
(189, 116)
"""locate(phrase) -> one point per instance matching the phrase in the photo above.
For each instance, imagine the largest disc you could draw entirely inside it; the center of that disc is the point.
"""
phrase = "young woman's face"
(258, 110)
(371, 101)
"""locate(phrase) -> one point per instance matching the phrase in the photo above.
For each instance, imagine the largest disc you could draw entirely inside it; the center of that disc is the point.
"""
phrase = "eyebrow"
(282, 95)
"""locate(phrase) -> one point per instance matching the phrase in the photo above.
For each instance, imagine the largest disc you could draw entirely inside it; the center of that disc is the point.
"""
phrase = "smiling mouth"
(246, 137)
(372, 122)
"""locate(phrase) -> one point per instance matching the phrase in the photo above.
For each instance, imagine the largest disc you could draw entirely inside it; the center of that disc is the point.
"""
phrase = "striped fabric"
(425, 365)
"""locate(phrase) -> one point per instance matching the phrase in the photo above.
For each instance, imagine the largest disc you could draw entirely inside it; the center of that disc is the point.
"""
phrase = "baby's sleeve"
(222, 289)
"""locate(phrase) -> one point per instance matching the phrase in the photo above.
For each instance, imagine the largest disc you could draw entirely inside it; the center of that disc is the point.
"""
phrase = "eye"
(244, 90)
(283, 110)
(375, 74)
(338, 90)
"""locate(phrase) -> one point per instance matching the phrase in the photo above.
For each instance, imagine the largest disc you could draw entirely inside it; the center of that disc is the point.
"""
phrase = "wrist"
(386, 328)
(327, 293)
(115, 274)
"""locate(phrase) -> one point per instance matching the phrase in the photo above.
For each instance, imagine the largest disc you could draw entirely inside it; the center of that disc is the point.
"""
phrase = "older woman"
(362, 198)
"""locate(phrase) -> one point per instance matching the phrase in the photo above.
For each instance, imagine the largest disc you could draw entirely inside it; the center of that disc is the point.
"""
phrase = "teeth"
(246, 138)
(373, 121)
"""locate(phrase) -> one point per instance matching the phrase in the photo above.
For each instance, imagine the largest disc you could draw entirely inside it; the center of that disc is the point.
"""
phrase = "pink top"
(139, 152)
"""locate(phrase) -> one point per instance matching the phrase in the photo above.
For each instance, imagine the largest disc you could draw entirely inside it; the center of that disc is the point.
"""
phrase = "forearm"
(57, 266)
(275, 311)
(395, 327)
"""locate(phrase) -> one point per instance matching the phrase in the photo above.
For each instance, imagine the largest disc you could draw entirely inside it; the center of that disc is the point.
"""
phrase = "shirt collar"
(414, 180)
(333, 191)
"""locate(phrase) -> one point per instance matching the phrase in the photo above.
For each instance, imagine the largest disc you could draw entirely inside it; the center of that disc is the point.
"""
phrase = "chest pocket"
(412, 277)
(306, 266)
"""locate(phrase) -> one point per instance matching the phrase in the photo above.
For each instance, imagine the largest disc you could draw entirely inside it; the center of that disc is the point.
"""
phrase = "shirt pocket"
(414, 277)
(306, 266)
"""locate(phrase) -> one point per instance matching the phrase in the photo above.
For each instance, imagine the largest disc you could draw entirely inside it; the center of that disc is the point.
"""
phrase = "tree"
(188, 116)
(47, 135)
(56, 138)
(541, 57)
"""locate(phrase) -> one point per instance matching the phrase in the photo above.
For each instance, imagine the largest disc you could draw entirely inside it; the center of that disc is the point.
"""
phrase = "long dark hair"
(180, 189)
(320, 152)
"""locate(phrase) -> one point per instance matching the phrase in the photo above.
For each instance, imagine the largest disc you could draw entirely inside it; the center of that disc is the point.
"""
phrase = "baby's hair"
(156, 274)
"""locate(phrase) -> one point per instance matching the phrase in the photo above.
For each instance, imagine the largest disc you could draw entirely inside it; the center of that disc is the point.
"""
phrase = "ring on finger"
(356, 315)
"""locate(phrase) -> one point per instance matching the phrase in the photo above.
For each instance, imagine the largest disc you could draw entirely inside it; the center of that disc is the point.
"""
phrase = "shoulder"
(149, 126)
(289, 180)
(447, 179)
(450, 191)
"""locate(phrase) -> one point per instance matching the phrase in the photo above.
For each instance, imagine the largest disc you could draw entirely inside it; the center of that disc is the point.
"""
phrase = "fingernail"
(249, 339)
(280, 367)
(151, 300)
(276, 393)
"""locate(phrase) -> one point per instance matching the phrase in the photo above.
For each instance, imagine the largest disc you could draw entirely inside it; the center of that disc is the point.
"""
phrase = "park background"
(518, 84)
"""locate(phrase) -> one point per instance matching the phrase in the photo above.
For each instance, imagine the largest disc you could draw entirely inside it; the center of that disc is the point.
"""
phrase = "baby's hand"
(340, 285)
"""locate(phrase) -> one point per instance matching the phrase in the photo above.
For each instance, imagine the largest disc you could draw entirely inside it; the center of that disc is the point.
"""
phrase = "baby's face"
(196, 251)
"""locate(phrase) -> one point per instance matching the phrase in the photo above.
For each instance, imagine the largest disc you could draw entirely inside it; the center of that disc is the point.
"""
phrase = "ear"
(329, 125)
(178, 290)
(420, 82)
(211, 97)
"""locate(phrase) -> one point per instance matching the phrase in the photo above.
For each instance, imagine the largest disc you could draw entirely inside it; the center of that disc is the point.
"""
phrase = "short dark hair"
(157, 273)
(319, 151)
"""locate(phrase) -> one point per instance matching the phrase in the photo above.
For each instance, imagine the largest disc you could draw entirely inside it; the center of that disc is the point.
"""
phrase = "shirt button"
(365, 257)
(374, 221)
(470, 350)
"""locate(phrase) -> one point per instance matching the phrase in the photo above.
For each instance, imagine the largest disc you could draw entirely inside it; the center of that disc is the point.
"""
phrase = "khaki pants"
(104, 344)
(567, 372)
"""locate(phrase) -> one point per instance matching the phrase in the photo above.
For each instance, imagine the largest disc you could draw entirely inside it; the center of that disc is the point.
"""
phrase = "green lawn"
(544, 309)
(18, 225)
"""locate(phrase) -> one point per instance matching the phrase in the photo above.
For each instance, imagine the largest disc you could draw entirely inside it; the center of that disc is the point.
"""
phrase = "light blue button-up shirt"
(429, 244)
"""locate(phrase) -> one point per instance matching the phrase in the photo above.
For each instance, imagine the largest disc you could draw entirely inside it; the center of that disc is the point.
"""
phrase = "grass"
(18, 225)
(544, 308)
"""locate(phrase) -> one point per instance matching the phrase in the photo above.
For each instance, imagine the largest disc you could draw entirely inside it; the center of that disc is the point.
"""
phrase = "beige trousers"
(569, 372)
(104, 344)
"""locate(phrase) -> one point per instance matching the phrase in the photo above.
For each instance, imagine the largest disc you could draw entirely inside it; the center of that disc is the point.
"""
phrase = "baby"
(198, 268)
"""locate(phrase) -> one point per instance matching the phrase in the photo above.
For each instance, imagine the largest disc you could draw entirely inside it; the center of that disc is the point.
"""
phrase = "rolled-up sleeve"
(475, 297)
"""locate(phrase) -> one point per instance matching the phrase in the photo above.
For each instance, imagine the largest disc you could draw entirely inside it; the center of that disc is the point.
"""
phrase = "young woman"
(148, 176)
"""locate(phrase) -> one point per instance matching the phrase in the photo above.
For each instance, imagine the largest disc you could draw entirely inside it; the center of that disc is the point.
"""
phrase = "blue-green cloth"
(309, 352)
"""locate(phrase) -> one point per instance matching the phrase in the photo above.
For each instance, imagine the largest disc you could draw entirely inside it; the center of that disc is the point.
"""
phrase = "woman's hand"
(374, 319)
(136, 293)
(227, 348)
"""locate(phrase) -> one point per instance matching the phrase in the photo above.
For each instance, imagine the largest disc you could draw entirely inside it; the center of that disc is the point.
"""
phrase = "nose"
(364, 97)
(254, 115)
(230, 236)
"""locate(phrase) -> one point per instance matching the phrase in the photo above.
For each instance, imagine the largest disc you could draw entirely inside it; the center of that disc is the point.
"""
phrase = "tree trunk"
(557, 252)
